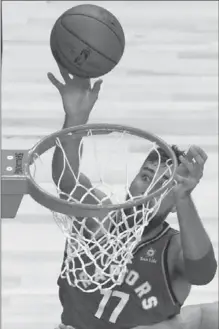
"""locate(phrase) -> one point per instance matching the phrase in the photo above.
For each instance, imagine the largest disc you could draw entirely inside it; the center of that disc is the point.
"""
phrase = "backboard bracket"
(13, 181)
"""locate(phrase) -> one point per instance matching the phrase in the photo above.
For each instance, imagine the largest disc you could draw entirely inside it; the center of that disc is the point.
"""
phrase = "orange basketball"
(87, 40)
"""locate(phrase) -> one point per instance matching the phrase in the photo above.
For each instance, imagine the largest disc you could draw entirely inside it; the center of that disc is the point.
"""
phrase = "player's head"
(145, 175)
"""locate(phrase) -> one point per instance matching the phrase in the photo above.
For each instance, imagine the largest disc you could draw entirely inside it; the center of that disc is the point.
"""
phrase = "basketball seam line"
(86, 43)
(66, 58)
(100, 22)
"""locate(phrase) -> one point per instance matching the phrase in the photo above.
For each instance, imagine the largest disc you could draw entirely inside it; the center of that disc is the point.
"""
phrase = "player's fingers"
(63, 326)
(54, 81)
(186, 163)
(64, 73)
(86, 84)
(189, 155)
(202, 153)
(83, 83)
(199, 159)
(181, 180)
(97, 86)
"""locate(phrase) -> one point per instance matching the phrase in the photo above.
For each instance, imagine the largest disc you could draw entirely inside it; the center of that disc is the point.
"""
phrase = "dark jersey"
(144, 298)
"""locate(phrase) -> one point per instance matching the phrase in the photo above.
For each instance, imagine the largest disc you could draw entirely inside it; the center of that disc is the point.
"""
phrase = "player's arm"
(195, 258)
(78, 100)
(73, 149)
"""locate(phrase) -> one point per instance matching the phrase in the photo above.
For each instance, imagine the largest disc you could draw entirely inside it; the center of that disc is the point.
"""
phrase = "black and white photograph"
(109, 164)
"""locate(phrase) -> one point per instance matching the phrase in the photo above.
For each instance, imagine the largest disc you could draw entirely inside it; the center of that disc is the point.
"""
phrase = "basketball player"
(166, 263)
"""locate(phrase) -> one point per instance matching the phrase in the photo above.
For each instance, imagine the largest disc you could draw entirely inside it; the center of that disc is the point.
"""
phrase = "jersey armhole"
(166, 269)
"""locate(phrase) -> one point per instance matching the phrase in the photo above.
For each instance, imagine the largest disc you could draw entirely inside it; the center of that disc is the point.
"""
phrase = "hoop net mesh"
(99, 249)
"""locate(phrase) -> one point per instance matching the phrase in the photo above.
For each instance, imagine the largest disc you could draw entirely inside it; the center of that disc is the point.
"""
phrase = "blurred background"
(166, 82)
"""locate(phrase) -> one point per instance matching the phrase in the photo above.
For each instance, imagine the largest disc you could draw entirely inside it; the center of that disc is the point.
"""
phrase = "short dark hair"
(153, 156)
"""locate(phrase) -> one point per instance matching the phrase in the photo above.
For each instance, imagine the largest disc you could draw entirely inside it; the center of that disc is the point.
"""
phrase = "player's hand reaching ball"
(190, 171)
(62, 326)
(78, 96)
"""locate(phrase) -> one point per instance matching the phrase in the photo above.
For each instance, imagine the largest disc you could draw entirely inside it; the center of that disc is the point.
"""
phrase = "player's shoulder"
(172, 230)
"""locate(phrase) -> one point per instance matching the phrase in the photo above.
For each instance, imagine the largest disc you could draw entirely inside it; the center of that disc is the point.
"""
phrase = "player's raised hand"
(62, 326)
(190, 171)
(78, 96)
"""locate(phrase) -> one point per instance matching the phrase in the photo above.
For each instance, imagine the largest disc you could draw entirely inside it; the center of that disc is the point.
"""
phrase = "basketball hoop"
(98, 260)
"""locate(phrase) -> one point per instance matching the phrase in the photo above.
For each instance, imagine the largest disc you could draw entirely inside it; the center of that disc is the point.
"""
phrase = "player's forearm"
(72, 148)
(195, 240)
(197, 247)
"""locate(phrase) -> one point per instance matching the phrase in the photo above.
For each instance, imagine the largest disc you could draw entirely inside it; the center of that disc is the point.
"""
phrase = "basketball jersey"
(144, 298)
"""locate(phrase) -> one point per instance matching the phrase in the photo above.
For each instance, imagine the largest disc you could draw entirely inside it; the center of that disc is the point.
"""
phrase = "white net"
(98, 249)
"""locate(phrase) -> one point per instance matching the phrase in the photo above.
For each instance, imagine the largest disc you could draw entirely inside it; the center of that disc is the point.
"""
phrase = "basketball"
(87, 40)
